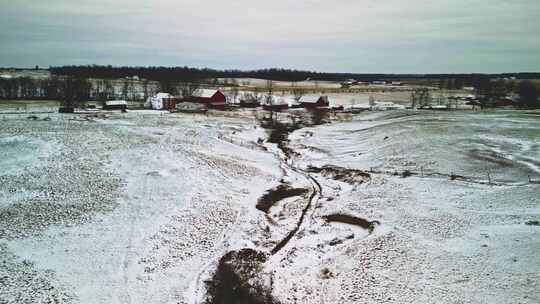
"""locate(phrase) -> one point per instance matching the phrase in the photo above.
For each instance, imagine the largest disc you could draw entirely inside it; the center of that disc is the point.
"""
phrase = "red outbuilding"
(211, 98)
(321, 102)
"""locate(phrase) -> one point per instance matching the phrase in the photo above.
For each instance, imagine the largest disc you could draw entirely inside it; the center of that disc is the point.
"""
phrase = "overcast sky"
(387, 36)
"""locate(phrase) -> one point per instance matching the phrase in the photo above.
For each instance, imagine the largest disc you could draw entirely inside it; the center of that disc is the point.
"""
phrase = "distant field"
(323, 87)
(36, 74)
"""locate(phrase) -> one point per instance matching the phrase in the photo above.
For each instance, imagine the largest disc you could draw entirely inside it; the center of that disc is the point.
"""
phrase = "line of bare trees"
(68, 88)
(188, 74)
(72, 91)
(54, 88)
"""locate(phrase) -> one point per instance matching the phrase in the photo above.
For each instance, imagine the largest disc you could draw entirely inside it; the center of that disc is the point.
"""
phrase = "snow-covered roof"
(284, 100)
(384, 103)
(116, 102)
(163, 95)
(312, 98)
(206, 93)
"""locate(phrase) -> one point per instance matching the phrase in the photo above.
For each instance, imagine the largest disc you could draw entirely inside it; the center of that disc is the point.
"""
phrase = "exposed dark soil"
(351, 220)
(490, 156)
(406, 173)
(352, 176)
(239, 279)
(276, 194)
(279, 134)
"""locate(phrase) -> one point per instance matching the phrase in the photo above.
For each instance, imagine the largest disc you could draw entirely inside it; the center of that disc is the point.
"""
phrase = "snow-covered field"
(139, 207)
(440, 240)
(123, 210)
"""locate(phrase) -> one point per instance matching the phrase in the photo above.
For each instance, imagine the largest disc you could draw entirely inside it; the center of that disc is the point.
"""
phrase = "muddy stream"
(237, 267)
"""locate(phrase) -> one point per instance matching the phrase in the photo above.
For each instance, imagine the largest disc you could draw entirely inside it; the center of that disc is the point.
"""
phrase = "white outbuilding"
(157, 102)
(385, 105)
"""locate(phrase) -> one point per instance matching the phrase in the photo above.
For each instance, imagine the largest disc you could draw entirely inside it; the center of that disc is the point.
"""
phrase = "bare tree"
(257, 95)
(269, 98)
(52, 88)
(233, 94)
(145, 89)
(234, 90)
(125, 89)
(188, 89)
(168, 86)
(75, 92)
(371, 101)
(100, 92)
(297, 92)
(109, 89)
(420, 97)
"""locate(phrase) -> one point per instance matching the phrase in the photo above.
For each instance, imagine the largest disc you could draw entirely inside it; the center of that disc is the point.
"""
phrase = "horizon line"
(262, 69)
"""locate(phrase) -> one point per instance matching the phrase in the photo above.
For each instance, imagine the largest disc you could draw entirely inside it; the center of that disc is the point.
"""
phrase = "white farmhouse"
(156, 102)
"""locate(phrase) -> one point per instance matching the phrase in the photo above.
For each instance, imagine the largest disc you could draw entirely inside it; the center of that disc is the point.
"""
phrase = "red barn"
(211, 98)
(321, 102)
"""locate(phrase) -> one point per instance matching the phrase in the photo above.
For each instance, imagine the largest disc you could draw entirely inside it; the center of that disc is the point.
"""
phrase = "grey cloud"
(360, 36)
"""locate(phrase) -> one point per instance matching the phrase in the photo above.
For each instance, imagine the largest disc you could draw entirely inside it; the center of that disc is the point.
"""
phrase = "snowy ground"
(440, 240)
(139, 207)
(128, 209)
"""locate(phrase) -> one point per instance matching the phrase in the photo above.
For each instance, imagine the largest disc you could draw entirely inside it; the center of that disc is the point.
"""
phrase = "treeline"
(29, 88)
(492, 92)
(70, 90)
(62, 87)
(183, 74)
(199, 74)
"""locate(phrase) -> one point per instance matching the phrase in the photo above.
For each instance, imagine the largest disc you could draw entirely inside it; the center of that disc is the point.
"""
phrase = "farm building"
(288, 100)
(209, 97)
(162, 101)
(314, 103)
(115, 105)
(169, 103)
(384, 105)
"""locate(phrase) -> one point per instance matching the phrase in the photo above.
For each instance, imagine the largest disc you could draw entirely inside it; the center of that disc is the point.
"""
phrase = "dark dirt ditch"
(352, 220)
(240, 279)
(274, 195)
(352, 176)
